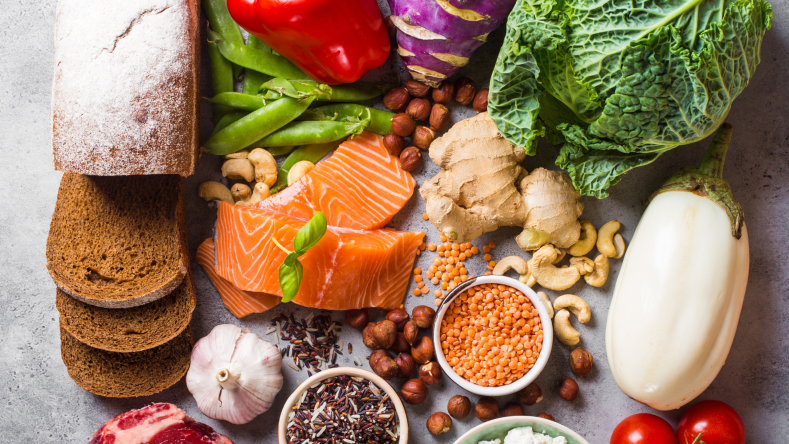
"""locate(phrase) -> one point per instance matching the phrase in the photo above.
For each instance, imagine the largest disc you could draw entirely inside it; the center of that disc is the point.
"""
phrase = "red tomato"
(716, 421)
(644, 428)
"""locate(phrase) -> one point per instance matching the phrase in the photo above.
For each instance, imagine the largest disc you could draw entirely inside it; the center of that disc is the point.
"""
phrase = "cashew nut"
(211, 191)
(265, 166)
(586, 241)
(561, 254)
(531, 239)
(237, 155)
(260, 192)
(546, 302)
(583, 263)
(563, 330)
(547, 274)
(238, 169)
(528, 278)
(619, 243)
(240, 191)
(605, 238)
(600, 273)
(576, 305)
(511, 263)
(299, 170)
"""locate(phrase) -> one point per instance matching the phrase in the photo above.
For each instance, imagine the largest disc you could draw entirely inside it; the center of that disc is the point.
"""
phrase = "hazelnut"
(385, 334)
(581, 362)
(393, 143)
(416, 88)
(444, 93)
(418, 109)
(423, 316)
(422, 351)
(480, 103)
(399, 316)
(513, 409)
(410, 158)
(439, 423)
(459, 406)
(486, 409)
(411, 332)
(544, 415)
(465, 90)
(406, 365)
(401, 345)
(567, 388)
(357, 319)
(369, 338)
(397, 99)
(430, 373)
(530, 394)
(384, 366)
(376, 355)
(414, 391)
(439, 117)
(403, 125)
(423, 137)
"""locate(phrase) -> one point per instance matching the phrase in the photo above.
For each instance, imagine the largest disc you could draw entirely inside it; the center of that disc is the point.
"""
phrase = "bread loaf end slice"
(118, 242)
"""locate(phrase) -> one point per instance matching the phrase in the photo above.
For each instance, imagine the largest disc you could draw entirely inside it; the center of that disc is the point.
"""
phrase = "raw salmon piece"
(361, 187)
(240, 303)
(347, 269)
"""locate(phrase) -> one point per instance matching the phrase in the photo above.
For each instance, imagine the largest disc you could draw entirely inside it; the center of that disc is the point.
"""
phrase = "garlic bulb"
(234, 374)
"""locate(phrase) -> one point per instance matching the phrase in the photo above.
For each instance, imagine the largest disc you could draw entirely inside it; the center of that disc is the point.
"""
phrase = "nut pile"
(491, 335)
(412, 105)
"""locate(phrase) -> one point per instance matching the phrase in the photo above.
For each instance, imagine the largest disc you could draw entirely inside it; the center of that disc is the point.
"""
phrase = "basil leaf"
(310, 234)
(290, 259)
(290, 279)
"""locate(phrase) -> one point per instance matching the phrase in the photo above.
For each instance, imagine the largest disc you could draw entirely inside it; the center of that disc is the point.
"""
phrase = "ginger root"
(475, 192)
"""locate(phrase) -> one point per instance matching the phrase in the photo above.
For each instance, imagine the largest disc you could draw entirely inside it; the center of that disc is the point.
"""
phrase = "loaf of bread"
(118, 242)
(124, 375)
(125, 87)
(128, 329)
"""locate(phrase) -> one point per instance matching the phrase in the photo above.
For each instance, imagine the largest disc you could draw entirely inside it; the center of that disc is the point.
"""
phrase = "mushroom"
(212, 191)
(260, 192)
(600, 273)
(265, 166)
(238, 169)
(547, 275)
(511, 263)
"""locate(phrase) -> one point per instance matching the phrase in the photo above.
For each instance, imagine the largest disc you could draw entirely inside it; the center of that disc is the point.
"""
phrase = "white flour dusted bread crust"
(124, 94)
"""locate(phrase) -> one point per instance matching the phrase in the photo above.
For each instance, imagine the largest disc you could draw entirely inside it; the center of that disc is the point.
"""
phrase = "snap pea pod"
(220, 21)
(256, 125)
(380, 121)
(221, 73)
(260, 61)
(351, 92)
(252, 78)
(312, 153)
(280, 150)
(304, 133)
(245, 102)
(227, 119)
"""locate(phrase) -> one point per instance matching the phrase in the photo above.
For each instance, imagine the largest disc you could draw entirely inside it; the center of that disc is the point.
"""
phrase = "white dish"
(539, 365)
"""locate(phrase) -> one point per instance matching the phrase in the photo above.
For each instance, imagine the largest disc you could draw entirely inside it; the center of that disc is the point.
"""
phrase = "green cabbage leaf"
(619, 82)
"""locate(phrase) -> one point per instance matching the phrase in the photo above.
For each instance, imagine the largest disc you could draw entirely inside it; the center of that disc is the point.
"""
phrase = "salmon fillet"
(240, 303)
(361, 187)
(347, 269)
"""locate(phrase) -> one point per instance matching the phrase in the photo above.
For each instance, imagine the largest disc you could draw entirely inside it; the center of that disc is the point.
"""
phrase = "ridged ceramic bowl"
(343, 371)
(539, 365)
(498, 428)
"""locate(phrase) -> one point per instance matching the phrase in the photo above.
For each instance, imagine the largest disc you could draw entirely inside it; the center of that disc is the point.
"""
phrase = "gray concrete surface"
(41, 403)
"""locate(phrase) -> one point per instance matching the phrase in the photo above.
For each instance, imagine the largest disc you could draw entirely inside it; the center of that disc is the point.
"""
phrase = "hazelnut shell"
(418, 109)
(439, 423)
(423, 316)
(513, 409)
(411, 158)
(423, 350)
(444, 93)
(567, 388)
(459, 406)
(385, 334)
(414, 391)
(403, 125)
(397, 99)
(430, 373)
(399, 316)
(487, 408)
(406, 365)
(357, 319)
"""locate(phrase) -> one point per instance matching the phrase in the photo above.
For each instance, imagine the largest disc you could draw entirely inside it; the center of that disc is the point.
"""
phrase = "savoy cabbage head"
(619, 82)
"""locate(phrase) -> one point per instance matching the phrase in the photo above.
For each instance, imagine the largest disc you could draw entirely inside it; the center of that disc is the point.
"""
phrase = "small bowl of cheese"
(521, 430)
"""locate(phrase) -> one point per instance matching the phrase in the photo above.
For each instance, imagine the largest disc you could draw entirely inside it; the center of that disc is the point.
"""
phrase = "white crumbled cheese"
(525, 435)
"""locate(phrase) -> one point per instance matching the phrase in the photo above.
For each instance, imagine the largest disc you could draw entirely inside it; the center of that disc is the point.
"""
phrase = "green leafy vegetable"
(291, 272)
(619, 82)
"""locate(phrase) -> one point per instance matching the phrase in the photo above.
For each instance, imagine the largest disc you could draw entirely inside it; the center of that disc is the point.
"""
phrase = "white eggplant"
(680, 290)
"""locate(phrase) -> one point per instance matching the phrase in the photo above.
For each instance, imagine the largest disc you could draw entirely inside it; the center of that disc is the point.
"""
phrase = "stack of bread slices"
(124, 132)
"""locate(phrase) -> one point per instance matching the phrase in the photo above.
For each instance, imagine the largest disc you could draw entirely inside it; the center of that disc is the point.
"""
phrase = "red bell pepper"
(332, 41)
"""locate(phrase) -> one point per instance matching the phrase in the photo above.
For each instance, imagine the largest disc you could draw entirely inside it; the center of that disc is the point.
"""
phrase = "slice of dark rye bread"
(128, 329)
(124, 375)
(118, 242)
